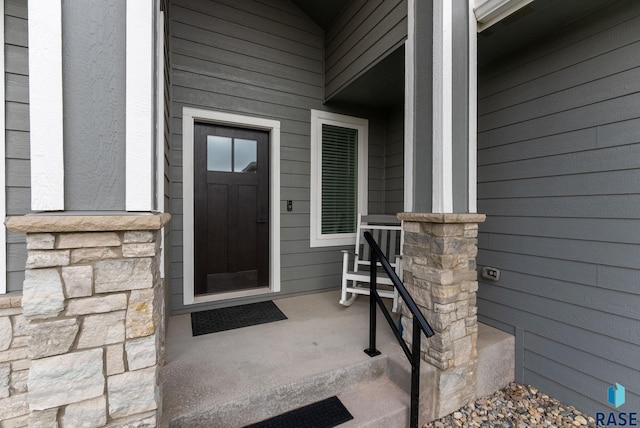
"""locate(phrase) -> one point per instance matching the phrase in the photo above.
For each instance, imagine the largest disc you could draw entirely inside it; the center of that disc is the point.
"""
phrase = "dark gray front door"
(231, 169)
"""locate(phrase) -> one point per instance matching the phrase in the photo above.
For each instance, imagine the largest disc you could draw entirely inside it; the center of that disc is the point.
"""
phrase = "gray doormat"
(323, 414)
(222, 319)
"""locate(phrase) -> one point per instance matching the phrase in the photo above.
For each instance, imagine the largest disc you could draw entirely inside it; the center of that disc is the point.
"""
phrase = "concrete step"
(263, 403)
(376, 404)
(496, 360)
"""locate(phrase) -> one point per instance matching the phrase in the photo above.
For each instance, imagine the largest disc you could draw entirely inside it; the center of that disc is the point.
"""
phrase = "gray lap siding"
(558, 168)
(17, 152)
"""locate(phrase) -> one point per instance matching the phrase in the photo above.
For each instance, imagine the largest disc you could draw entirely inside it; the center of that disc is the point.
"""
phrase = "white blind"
(339, 179)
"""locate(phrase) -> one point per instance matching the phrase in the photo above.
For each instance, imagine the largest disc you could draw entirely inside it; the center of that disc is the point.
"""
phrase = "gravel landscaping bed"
(516, 406)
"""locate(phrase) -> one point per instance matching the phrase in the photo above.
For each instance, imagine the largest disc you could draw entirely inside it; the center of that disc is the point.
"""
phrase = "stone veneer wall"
(439, 267)
(94, 302)
(14, 362)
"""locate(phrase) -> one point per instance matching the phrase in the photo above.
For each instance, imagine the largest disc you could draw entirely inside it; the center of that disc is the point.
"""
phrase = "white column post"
(45, 105)
(442, 196)
(140, 80)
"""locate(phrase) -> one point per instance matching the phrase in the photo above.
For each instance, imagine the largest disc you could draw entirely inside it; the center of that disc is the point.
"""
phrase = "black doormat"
(323, 414)
(215, 320)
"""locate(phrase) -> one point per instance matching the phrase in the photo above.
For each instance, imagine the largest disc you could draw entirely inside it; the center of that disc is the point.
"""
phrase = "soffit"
(322, 12)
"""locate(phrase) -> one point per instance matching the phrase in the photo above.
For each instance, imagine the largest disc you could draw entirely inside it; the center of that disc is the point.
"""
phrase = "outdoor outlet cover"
(491, 273)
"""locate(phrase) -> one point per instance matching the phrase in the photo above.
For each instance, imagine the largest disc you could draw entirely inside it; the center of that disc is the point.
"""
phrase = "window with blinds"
(338, 185)
(339, 179)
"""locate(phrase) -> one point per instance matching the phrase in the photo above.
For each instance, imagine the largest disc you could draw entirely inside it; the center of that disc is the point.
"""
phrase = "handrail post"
(373, 292)
(415, 372)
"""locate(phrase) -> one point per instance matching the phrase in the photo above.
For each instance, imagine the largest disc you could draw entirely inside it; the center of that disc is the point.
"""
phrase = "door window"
(226, 154)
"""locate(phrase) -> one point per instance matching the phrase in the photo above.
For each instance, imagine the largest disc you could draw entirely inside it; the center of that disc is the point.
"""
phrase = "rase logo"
(616, 397)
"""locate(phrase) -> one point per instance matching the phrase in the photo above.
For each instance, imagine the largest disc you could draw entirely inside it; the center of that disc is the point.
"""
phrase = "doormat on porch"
(222, 319)
(323, 414)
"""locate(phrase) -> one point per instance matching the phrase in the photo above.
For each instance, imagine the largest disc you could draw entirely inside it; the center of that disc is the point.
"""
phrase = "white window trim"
(189, 117)
(45, 105)
(318, 118)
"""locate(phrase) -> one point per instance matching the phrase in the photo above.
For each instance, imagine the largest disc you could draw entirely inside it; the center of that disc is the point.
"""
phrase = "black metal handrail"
(420, 324)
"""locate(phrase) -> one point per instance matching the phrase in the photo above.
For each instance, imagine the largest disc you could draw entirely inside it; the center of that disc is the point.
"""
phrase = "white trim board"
(189, 117)
(45, 105)
(160, 127)
(409, 108)
(319, 117)
(3, 178)
(442, 188)
(488, 12)
(473, 113)
(140, 102)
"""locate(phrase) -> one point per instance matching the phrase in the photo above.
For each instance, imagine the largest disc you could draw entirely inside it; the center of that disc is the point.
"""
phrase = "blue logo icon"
(616, 395)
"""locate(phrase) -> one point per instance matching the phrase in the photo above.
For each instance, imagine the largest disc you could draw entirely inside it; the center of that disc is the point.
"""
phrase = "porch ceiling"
(322, 12)
(381, 87)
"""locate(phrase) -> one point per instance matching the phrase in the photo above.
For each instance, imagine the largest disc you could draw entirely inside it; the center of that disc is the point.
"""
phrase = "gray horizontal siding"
(17, 153)
(558, 172)
(364, 33)
(263, 59)
(394, 162)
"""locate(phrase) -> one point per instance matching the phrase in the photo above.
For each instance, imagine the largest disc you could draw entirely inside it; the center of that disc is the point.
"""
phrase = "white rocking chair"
(387, 232)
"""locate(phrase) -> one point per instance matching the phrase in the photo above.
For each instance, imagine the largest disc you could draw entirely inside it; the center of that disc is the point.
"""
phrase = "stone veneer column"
(14, 362)
(95, 304)
(439, 267)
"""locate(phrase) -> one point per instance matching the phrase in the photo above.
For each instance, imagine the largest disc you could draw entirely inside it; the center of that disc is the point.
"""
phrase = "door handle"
(262, 220)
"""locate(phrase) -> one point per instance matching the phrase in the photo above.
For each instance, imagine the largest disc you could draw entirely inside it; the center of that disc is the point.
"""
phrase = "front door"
(231, 185)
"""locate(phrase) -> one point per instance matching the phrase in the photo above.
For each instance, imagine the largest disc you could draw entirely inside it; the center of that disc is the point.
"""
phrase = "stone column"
(14, 362)
(95, 304)
(439, 265)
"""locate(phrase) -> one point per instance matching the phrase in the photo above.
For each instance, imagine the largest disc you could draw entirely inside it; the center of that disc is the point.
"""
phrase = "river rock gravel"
(516, 406)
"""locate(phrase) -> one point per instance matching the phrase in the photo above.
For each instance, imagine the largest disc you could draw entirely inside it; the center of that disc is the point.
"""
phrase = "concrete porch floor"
(264, 370)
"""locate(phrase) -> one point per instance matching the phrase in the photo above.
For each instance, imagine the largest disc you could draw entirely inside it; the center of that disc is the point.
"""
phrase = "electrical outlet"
(491, 273)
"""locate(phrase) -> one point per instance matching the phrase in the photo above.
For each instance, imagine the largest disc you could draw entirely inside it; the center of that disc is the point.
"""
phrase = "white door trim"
(189, 117)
